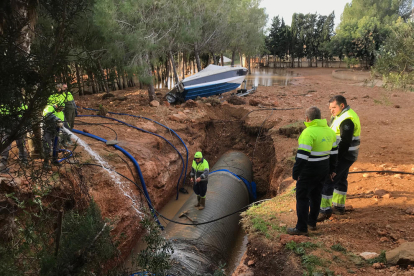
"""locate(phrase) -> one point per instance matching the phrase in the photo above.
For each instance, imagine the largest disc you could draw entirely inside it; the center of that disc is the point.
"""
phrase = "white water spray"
(125, 190)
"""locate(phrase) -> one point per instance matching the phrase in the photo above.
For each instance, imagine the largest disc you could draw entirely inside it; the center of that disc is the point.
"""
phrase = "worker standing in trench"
(199, 178)
(345, 123)
(315, 159)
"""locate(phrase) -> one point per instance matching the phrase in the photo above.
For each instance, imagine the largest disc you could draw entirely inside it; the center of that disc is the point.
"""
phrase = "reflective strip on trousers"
(339, 198)
(326, 203)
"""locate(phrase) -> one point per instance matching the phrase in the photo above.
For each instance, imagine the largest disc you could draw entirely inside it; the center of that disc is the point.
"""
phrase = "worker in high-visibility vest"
(53, 120)
(199, 178)
(70, 106)
(65, 97)
(315, 160)
(345, 122)
(20, 143)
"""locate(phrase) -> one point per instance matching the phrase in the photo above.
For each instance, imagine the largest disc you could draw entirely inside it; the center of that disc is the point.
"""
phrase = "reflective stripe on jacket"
(348, 113)
(317, 149)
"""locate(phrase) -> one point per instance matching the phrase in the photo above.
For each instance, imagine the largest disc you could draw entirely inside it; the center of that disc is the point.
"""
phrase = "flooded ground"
(265, 76)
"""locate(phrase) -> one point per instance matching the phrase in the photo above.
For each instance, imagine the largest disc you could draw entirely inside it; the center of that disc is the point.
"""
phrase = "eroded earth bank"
(378, 220)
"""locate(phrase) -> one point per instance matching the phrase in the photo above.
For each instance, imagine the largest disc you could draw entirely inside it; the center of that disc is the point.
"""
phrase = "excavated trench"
(216, 137)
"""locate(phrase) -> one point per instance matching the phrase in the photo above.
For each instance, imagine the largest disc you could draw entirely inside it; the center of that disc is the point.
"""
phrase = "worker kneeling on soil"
(315, 159)
(199, 178)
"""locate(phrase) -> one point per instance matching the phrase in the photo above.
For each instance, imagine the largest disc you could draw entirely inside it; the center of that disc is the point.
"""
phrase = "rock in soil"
(234, 100)
(369, 255)
(154, 103)
(402, 255)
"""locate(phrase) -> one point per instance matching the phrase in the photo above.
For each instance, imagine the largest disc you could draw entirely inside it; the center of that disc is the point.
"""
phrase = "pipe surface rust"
(201, 249)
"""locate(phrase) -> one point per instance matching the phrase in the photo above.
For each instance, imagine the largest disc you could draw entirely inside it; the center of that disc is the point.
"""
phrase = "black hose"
(177, 222)
(383, 172)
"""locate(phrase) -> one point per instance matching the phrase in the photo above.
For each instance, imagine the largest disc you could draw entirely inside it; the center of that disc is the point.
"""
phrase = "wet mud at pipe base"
(201, 249)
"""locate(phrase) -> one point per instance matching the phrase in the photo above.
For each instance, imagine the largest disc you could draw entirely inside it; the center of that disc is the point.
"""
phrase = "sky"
(286, 9)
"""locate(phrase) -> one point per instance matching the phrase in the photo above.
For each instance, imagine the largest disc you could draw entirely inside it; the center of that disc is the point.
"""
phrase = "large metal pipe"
(200, 249)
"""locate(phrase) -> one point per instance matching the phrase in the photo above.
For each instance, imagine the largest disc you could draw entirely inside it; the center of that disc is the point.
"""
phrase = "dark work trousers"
(339, 183)
(308, 195)
(200, 188)
(69, 112)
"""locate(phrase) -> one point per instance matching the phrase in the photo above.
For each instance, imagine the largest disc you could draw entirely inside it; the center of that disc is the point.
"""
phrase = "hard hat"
(198, 154)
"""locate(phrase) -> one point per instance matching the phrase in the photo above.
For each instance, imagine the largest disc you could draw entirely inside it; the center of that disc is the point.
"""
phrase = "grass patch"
(263, 219)
(380, 259)
(338, 247)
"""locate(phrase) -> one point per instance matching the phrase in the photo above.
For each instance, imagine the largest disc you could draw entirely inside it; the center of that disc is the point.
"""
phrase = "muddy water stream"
(169, 211)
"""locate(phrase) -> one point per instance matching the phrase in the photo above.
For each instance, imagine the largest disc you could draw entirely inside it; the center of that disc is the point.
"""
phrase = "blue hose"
(143, 130)
(144, 187)
(67, 157)
(137, 116)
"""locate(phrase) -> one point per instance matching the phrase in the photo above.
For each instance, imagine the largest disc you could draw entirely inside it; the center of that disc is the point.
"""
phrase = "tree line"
(365, 27)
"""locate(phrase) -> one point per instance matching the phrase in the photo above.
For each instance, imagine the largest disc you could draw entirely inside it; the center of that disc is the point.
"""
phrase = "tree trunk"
(212, 56)
(316, 62)
(248, 65)
(184, 63)
(91, 82)
(174, 69)
(222, 60)
(167, 71)
(79, 80)
(197, 57)
(233, 55)
(151, 91)
(194, 64)
(241, 59)
(101, 71)
(124, 81)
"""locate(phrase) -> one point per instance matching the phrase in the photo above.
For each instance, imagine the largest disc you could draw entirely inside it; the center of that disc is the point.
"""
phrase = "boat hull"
(208, 83)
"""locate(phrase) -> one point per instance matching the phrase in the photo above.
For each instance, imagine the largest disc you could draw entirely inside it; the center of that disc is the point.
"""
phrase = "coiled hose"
(149, 132)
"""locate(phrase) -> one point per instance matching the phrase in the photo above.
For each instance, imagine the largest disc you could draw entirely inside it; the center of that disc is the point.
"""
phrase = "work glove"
(59, 123)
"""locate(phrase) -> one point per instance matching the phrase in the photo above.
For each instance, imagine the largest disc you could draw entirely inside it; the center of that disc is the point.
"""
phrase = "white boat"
(210, 81)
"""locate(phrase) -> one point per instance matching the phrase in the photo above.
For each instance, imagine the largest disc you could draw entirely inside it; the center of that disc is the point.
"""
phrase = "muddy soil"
(377, 203)
(215, 126)
(212, 126)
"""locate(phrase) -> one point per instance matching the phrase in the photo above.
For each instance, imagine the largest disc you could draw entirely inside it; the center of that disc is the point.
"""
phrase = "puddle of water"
(267, 76)
(237, 253)
(116, 178)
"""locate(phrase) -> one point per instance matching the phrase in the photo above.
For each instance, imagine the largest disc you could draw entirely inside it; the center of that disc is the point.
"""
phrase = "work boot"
(202, 203)
(312, 227)
(323, 217)
(198, 202)
(338, 210)
(294, 231)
